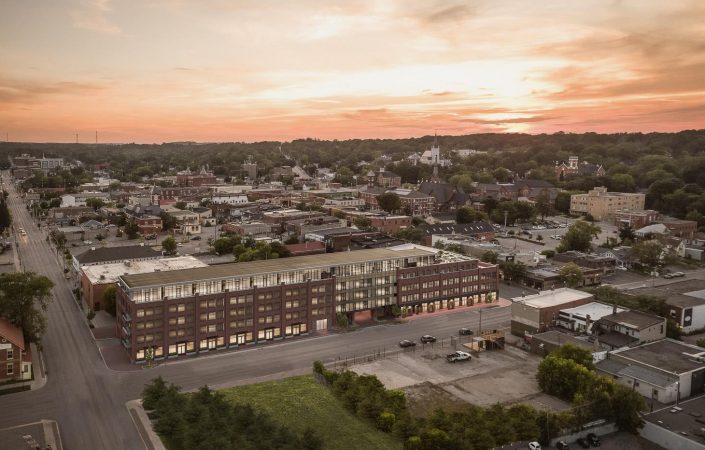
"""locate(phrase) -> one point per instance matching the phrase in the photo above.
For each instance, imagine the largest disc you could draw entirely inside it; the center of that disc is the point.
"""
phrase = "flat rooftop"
(688, 422)
(595, 310)
(555, 297)
(109, 273)
(274, 265)
(666, 354)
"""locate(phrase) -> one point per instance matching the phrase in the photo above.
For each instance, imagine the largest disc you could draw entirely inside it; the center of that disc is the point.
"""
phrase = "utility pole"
(77, 138)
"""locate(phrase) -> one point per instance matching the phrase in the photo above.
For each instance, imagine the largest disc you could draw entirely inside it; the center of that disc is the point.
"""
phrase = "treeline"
(670, 167)
(473, 428)
(248, 249)
(205, 420)
(568, 373)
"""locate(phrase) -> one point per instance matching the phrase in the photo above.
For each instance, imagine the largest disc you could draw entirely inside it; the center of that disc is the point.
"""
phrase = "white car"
(534, 446)
(88, 242)
(458, 356)
(556, 236)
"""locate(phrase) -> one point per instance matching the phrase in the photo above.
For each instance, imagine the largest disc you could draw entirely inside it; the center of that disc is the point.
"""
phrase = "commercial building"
(383, 178)
(635, 219)
(416, 202)
(664, 370)
(95, 278)
(602, 205)
(677, 427)
(482, 231)
(535, 313)
(195, 310)
(582, 318)
(550, 278)
(686, 302)
(200, 178)
(15, 355)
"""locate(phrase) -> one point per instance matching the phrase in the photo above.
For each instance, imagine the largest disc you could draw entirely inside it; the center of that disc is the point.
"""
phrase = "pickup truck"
(458, 356)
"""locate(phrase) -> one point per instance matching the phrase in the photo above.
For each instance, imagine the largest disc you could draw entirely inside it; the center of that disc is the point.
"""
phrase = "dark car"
(561, 445)
(593, 439)
(196, 238)
(583, 443)
(427, 339)
(407, 343)
(465, 332)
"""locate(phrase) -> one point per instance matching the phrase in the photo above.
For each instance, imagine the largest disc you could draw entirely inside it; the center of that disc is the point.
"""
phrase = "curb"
(150, 439)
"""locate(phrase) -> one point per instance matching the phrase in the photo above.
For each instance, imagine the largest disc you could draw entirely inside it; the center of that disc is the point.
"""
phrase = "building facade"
(602, 205)
(15, 355)
(195, 310)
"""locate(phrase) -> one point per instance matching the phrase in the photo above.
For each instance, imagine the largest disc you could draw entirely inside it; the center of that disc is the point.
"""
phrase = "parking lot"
(499, 376)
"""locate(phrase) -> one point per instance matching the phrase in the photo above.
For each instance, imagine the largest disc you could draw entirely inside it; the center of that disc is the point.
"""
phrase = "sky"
(241, 70)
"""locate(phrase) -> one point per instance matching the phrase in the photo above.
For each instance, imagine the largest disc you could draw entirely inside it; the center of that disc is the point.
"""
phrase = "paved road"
(88, 400)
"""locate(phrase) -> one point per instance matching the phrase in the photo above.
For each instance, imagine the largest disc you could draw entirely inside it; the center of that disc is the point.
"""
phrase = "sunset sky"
(230, 70)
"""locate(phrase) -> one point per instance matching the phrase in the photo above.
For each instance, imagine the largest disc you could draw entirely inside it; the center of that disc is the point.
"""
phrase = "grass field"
(301, 402)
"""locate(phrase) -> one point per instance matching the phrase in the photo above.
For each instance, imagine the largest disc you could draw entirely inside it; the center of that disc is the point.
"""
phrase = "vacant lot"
(301, 402)
(502, 376)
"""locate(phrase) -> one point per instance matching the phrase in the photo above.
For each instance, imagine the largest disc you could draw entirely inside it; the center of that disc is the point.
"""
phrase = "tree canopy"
(579, 237)
(24, 297)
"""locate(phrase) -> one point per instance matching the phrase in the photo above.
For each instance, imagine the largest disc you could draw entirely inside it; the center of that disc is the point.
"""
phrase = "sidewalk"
(43, 434)
(144, 425)
(40, 377)
(501, 303)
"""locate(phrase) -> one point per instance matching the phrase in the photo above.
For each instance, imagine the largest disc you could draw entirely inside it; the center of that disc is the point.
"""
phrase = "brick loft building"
(230, 305)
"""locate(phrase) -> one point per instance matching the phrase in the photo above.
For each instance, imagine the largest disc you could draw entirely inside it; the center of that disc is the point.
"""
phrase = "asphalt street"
(88, 399)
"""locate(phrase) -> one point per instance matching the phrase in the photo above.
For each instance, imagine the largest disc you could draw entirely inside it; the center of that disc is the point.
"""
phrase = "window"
(10, 368)
(9, 353)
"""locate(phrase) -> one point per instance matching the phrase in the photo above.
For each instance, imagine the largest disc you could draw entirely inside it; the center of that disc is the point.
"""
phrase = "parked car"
(583, 443)
(88, 242)
(427, 339)
(678, 274)
(556, 236)
(621, 268)
(458, 356)
(465, 332)
(179, 244)
(593, 440)
(534, 446)
(407, 343)
(196, 238)
(668, 276)
(562, 445)
(149, 237)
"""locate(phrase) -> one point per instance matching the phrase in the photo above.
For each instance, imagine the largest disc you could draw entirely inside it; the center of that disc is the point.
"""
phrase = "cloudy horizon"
(215, 70)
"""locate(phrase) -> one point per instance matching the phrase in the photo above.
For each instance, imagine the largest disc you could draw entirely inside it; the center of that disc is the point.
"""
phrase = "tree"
(168, 221)
(389, 201)
(180, 205)
(579, 237)
(626, 407)
(169, 246)
(543, 205)
(109, 296)
(466, 214)
(463, 182)
(132, 230)
(562, 202)
(5, 216)
(363, 223)
(572, 275)
(24, 297)
(648, 253)
(626, 234)
(489, 257)
(95, 203)
(580, 355)
(513, 270)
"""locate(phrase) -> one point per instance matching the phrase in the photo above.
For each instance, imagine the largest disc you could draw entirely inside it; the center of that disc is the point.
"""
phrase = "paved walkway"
(478, 307)
(43, 434)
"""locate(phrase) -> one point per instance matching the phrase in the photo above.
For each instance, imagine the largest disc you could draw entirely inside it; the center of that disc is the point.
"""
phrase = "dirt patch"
(426, 397)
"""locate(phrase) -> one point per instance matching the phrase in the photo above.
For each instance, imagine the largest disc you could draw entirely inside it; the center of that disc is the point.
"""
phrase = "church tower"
(435, 151)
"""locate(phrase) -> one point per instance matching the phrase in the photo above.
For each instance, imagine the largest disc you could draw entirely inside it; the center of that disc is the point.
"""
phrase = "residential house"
(629, 328)
(15, 354)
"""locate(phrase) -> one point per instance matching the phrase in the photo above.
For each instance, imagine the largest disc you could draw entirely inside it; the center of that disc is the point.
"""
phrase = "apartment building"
(14, 353)
(170, 313)
(602, 205)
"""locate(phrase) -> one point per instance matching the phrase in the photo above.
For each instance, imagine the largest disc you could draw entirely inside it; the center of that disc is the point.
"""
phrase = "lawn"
(301, 402)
